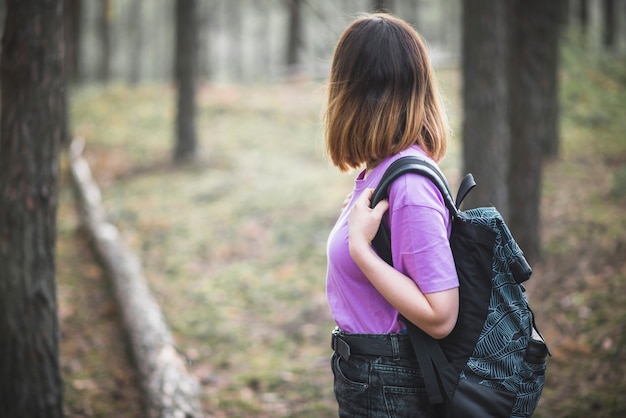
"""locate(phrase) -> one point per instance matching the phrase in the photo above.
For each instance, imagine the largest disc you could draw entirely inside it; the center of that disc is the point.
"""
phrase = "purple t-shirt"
(420, 226)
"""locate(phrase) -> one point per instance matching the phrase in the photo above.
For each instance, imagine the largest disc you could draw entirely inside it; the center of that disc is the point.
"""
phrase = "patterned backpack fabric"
(493, 363)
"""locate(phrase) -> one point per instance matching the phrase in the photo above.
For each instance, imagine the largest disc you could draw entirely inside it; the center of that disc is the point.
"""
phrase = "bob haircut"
(382, 96)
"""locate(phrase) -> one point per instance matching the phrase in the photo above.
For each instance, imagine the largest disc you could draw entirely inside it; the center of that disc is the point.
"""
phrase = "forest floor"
(233, 246)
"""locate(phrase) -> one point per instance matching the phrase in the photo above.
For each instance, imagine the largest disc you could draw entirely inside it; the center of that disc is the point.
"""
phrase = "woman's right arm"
(435, 313)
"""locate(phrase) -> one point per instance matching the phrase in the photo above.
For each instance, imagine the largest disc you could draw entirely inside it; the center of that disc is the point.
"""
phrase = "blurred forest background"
(201, 124)
(240, 41)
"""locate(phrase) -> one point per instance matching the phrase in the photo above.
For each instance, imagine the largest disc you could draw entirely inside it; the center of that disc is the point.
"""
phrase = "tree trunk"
(263, 42)
(135, 20)
(295, 35)
(234, 18)
(549, 21)
(382, 5)
(206, 12)
(583, 15)
(72, 13)
(31, 125)
(533, 87)
(105, 41)
(609, 28)
(486, 134)
(185, 73)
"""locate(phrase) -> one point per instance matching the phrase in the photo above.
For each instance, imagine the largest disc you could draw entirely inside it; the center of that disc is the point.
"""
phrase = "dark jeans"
(379, 386)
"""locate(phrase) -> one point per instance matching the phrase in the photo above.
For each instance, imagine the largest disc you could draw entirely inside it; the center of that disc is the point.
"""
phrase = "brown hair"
(382, 96)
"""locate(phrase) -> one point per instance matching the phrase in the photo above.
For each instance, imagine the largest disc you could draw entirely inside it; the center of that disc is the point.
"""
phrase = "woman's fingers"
(364, 221)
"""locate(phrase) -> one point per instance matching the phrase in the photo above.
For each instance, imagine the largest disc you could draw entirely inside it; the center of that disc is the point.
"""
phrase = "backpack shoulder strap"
(415, 165)
(404, 165)
(438, 373)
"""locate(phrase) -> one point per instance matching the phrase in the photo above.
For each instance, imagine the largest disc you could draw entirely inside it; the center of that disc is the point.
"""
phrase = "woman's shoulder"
(415, 189)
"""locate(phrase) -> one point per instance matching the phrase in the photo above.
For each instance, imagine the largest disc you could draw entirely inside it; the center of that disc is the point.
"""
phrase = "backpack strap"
(416, 165)
(411, 164)
(439, 376)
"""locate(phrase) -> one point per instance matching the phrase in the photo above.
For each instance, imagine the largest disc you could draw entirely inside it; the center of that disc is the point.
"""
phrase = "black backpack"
(493, 362)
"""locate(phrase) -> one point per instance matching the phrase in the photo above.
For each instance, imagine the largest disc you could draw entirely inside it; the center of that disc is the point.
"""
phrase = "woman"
(383, 104)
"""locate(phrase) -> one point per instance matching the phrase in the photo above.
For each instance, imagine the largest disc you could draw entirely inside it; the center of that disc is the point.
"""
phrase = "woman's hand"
(363, 223)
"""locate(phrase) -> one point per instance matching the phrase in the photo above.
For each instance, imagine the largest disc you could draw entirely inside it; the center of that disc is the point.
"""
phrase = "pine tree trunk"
(533, 113)
(294, 35)
(234, 25)
(382, 5)
(72, 14)
(135, 20)
(185, 65)
(104, 71)
(486, 134)
(610, 24)
(583, 15)
(31, 126)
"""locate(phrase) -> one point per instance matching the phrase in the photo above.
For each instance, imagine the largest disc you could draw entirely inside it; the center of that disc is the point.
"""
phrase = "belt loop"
(395, 346)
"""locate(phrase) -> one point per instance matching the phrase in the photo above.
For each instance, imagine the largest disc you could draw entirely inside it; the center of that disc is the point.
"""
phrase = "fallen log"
(169, 389)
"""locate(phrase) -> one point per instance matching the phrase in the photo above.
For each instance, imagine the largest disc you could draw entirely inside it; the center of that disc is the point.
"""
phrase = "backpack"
(493, 362)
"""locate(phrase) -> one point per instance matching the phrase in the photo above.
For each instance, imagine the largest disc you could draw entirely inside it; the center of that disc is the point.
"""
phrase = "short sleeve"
(419, 225)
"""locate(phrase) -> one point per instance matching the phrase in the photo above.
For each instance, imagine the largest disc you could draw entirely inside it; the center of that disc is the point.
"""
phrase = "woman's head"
(382, 96)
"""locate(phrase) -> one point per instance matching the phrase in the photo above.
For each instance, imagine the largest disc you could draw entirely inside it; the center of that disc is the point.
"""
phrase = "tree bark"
(234, 22)
(135, 20)
(31, 127)
(169, 389)
(185, 73)
(610, 24)
(583, 16)
(105, 41)
(294, 35)
(206, 13)
(486, 133)
(263, 42)
(533, 87)
(72, 12)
